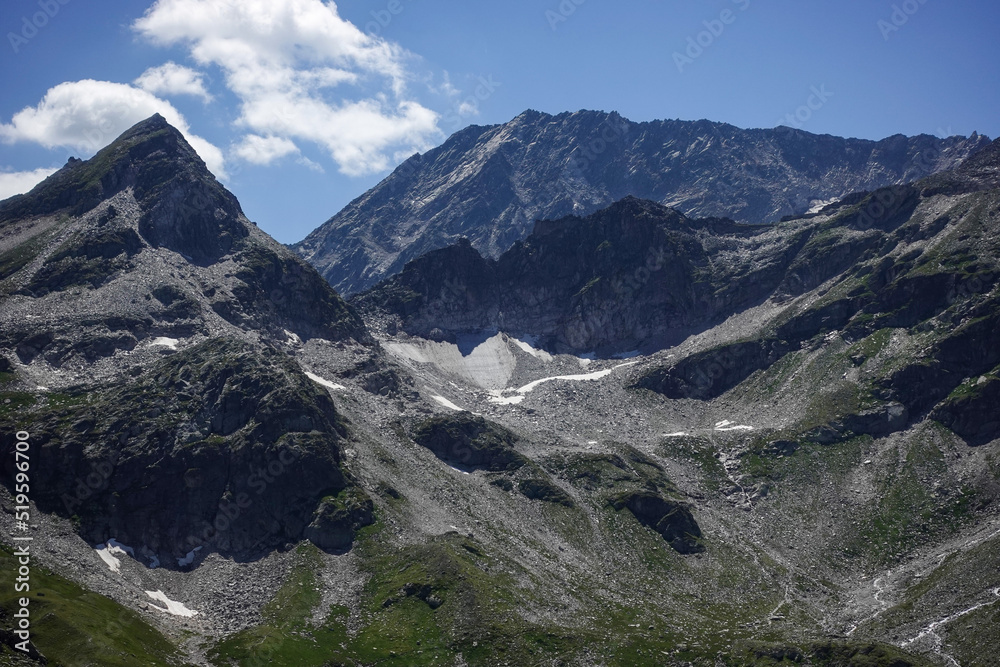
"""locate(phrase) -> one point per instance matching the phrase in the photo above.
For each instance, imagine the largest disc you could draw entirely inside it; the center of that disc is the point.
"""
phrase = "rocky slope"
(800, 465)
(489, 184)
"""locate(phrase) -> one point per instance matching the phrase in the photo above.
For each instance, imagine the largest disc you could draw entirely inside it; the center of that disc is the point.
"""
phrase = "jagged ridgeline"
(162, 247)
(491, 183)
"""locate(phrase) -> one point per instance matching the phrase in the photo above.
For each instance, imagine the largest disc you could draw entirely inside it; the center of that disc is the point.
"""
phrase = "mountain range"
(627, 433)
(491, 183)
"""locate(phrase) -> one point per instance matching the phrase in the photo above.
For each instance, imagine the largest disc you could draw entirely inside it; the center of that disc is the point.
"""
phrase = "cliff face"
(639, 276)
(490, 184)
(635, 275)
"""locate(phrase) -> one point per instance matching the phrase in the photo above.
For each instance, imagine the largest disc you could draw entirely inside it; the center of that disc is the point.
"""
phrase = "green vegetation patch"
(73, 626)
(825, 654)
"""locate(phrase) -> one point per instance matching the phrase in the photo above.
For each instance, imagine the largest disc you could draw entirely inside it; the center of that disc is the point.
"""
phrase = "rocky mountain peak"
(146, 157)
(187, 209)
(140, 242)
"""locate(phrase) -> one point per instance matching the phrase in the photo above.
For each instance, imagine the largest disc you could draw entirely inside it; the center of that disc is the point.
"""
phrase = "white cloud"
(284, 60)
(87, 115)
(309, 164)
(446, 88)
(264, 150)
(173, 79)
(19, 182)
(468, 108)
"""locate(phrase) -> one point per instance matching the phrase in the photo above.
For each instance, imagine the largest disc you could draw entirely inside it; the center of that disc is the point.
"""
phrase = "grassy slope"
(77, 628)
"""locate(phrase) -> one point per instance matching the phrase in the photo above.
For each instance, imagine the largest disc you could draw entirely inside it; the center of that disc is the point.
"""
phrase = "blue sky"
(300, 105)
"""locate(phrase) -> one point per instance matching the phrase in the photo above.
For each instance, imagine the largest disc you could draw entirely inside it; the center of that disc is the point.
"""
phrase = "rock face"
(470, 441)
(222, 446)
(636, 275)
(669, 518)
(337, 519)
(490, 184)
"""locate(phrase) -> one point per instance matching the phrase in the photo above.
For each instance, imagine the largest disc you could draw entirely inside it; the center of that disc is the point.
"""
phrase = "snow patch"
(679, 434)
(528, 345)
(486, 363)
(499, 398)
(113, 563)
(163, 341)
(726, 425)
(446, 403)
(109, 552)
(326, 383)
(172, 607)
(187, 560)
(583, 377)
(818, 204)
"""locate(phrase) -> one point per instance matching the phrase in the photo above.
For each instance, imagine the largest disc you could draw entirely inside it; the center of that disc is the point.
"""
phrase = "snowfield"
(171, 607)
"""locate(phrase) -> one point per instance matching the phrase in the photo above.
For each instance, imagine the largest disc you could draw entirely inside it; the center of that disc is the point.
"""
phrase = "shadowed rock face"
(337, 519)
(669, 518)
(637, 275)
(469, 441)
(222, 446)
(490, 184)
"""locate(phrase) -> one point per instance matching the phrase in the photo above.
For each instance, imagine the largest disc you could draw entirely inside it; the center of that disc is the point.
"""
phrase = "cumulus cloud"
(173, 79)
(264, 150)
(19, 182)
(283, 60)
(87, 115)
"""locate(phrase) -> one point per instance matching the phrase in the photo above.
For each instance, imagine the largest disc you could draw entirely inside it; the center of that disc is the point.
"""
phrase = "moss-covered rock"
(539, 488)
(671, 519)
(470, 441)
(337, 519)
(222, 445)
